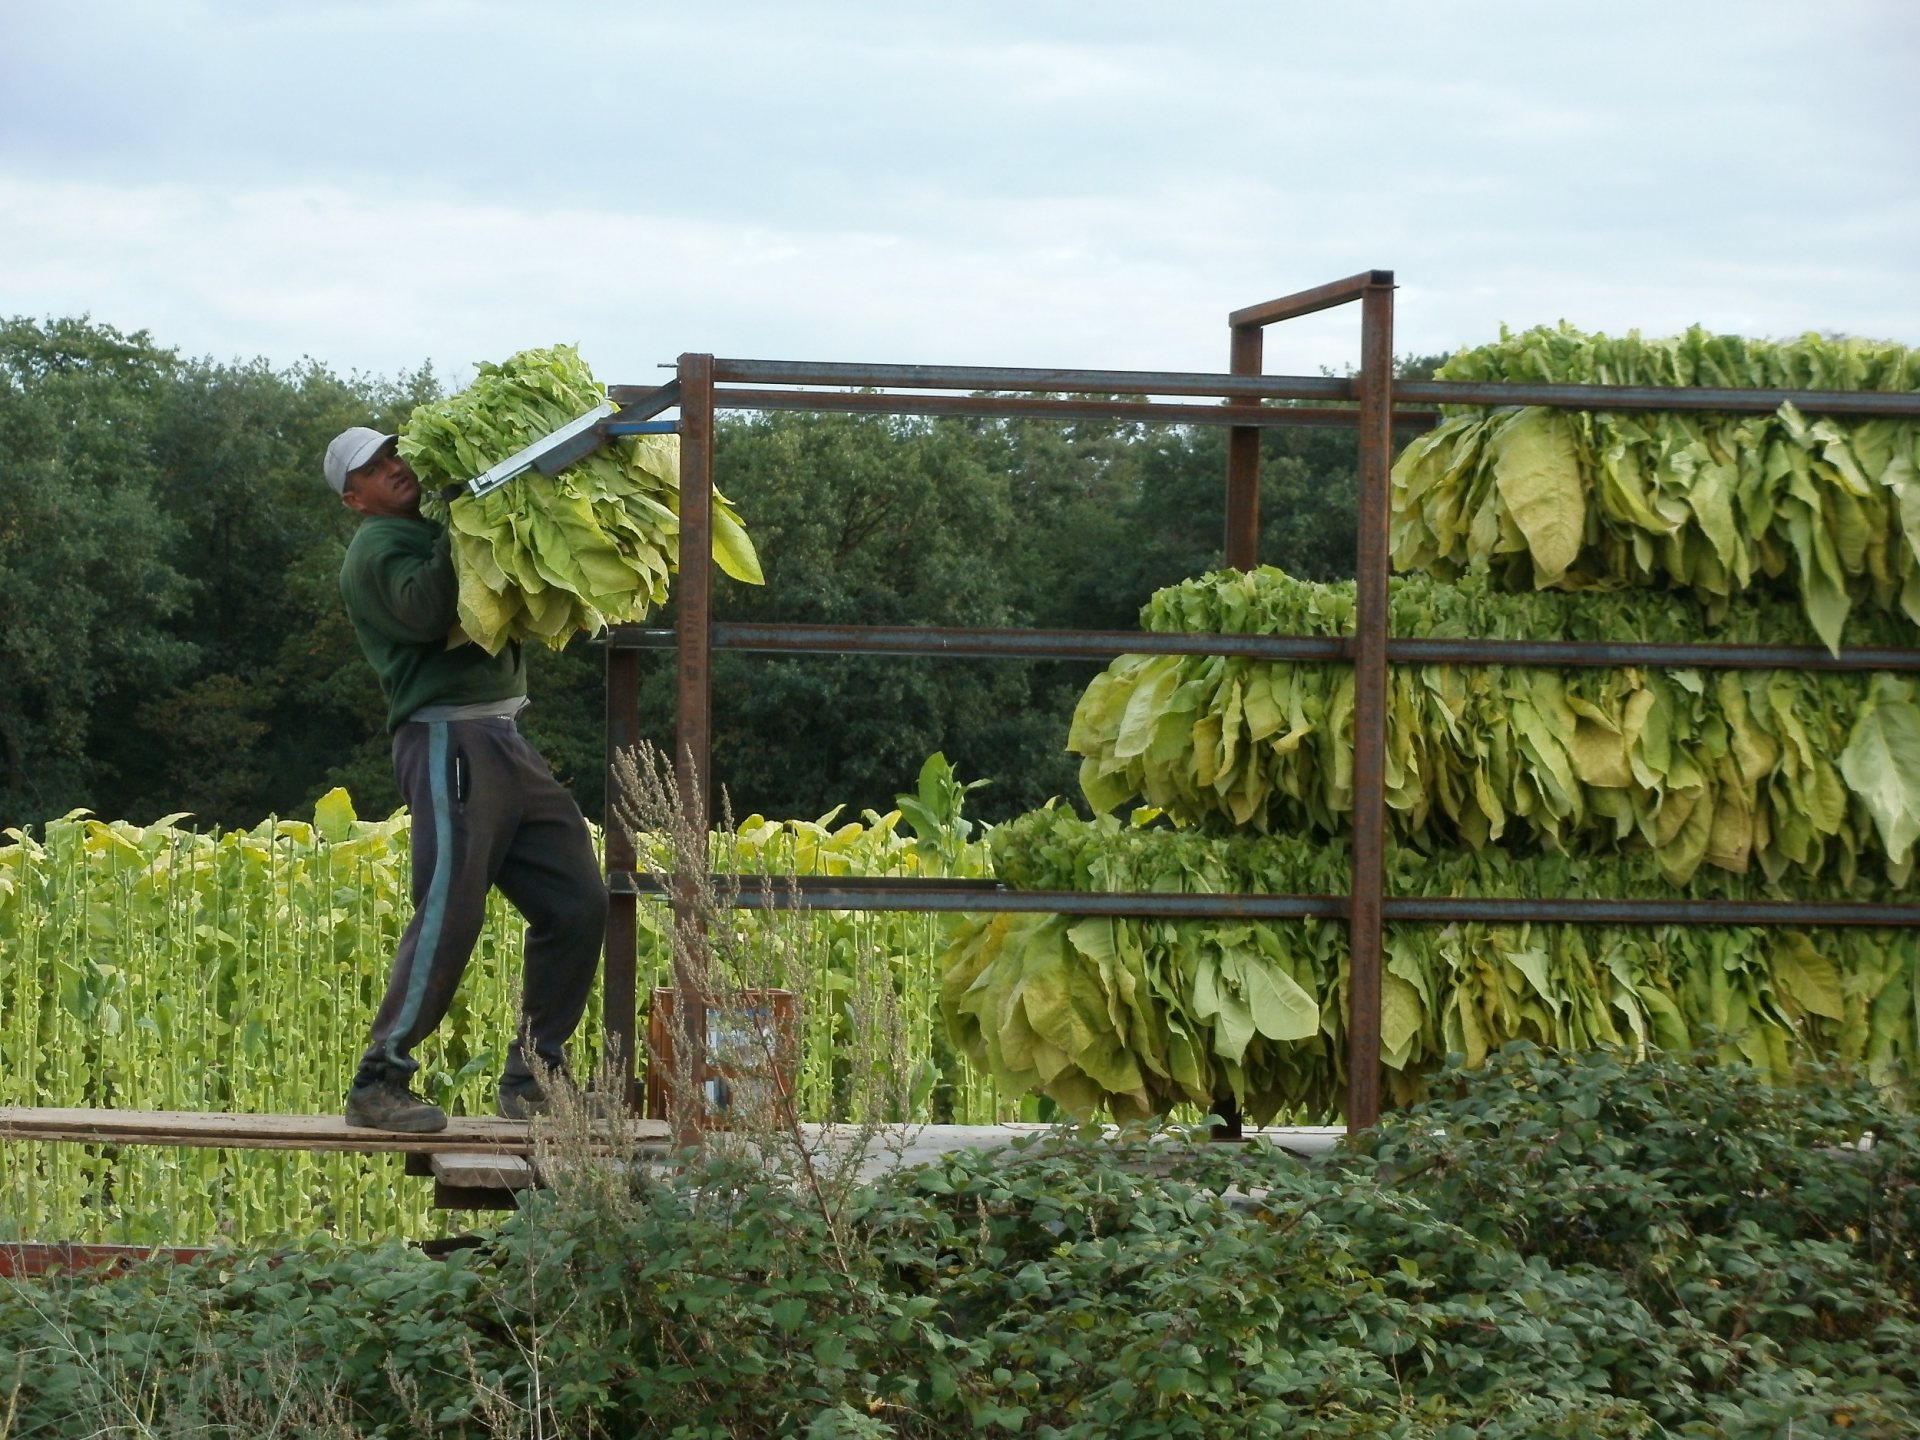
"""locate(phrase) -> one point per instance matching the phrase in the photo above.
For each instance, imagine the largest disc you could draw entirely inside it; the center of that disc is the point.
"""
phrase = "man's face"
(385, 485)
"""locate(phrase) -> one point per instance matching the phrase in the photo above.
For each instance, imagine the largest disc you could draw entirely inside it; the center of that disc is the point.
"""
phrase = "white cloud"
(993, 183)
(380, 281)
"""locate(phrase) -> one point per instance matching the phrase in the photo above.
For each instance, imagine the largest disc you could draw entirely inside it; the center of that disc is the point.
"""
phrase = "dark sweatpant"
(487, 812)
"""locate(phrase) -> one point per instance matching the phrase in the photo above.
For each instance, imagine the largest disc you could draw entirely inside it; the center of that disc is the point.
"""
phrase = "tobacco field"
(157, 967)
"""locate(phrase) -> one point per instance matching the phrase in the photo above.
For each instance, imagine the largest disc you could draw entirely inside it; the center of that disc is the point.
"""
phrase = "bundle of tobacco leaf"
(1823, 508)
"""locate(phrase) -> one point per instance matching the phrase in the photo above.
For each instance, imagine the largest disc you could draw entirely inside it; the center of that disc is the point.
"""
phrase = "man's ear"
(352, 501)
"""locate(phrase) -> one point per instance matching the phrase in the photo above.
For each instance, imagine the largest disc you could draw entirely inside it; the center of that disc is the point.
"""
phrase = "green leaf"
(1538, 476)
(1809, 978)
(1882, 765)
(545, 557)
(333, 814)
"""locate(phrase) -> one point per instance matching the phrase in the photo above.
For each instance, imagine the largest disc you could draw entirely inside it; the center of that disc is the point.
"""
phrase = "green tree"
(87, 582)
(274, 705)
(860, 520)
(278, 685)
(171, 560)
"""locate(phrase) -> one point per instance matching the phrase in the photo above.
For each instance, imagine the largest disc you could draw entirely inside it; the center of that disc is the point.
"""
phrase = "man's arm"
(411, 597)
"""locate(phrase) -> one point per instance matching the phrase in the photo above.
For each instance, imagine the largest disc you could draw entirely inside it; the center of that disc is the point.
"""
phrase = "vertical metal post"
(1243, 460)
(623, 931)
(693, 732)
(1368, 881)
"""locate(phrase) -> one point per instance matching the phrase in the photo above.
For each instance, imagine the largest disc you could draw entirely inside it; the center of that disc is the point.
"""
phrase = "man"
(486, 809)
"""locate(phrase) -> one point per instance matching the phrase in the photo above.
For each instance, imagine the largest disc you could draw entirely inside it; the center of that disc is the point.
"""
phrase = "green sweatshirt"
(400, 591)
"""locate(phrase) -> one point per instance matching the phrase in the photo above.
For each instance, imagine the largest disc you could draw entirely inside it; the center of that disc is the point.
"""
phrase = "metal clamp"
(550, 454)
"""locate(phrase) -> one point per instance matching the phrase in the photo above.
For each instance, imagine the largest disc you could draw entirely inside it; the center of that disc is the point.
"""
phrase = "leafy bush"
(1556, 1245)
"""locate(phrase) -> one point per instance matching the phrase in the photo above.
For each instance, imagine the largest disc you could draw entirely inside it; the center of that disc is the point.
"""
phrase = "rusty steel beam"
(693, 730)
(693, 591)
(1007, 644)
(1610, 655)
(1371, 564)
(620, 1003)
(844, 892)
(1657, 397)
(982, 644)
(1048, 381)
(1242, 543)
(1306, 302)
(1024, 408)
(833, 892)
(1450, 909)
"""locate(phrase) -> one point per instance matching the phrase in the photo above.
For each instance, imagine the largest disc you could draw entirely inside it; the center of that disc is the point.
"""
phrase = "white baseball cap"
(349, 451)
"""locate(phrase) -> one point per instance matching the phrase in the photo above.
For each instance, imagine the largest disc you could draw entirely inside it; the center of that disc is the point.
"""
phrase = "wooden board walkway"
(473, 1134)
(482, 1162)
(474, 1178)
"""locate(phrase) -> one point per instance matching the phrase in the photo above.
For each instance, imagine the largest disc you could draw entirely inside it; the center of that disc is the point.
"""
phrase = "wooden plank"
(282, 1132)
(465, 1197)
(479, 1170)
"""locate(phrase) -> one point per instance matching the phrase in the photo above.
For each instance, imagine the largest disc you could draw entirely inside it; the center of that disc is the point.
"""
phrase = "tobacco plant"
(156, 967)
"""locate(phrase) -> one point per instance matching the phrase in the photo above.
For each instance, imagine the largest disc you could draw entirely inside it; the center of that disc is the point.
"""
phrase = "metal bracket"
(550, 454)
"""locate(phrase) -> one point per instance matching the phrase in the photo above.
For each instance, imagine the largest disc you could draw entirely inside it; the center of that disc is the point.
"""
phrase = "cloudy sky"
(377, 183)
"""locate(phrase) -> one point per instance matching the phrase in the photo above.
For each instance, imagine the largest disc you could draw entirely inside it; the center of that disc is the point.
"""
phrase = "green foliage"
(544, 557)
(1774, 1231)
(863, 520)
(1826, 510)
(1779, 770)
(1140, 1016)
(87, 574)
(165, 519)
(1559, 1246)
(156, 967)
(153, 967)
(206, 502)
(277, 690)
(934, 812)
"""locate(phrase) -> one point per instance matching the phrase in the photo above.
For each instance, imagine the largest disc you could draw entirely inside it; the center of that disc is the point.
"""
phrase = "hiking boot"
(527, 1099)
(389, 1105)
(523, 1102)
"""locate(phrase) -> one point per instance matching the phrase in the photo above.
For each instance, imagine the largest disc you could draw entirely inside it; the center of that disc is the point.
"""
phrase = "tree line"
(171, 636)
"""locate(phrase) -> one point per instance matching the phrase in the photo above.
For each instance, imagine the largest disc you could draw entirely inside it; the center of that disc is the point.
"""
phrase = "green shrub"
(1554, 1245)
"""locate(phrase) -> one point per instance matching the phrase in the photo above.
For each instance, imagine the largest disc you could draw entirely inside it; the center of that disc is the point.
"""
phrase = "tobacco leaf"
(545, 557)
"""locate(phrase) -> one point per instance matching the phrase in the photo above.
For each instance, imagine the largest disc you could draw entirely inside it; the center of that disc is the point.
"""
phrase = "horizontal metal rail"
(962, 644)
(988, 644)
(1000, 407)
(1656, 397)
(838, 892)
(1417, 395)
(1611, 655)
(976, 378)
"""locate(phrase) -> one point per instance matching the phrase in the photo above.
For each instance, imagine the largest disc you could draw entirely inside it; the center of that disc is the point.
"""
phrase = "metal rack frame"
(1370, 401)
